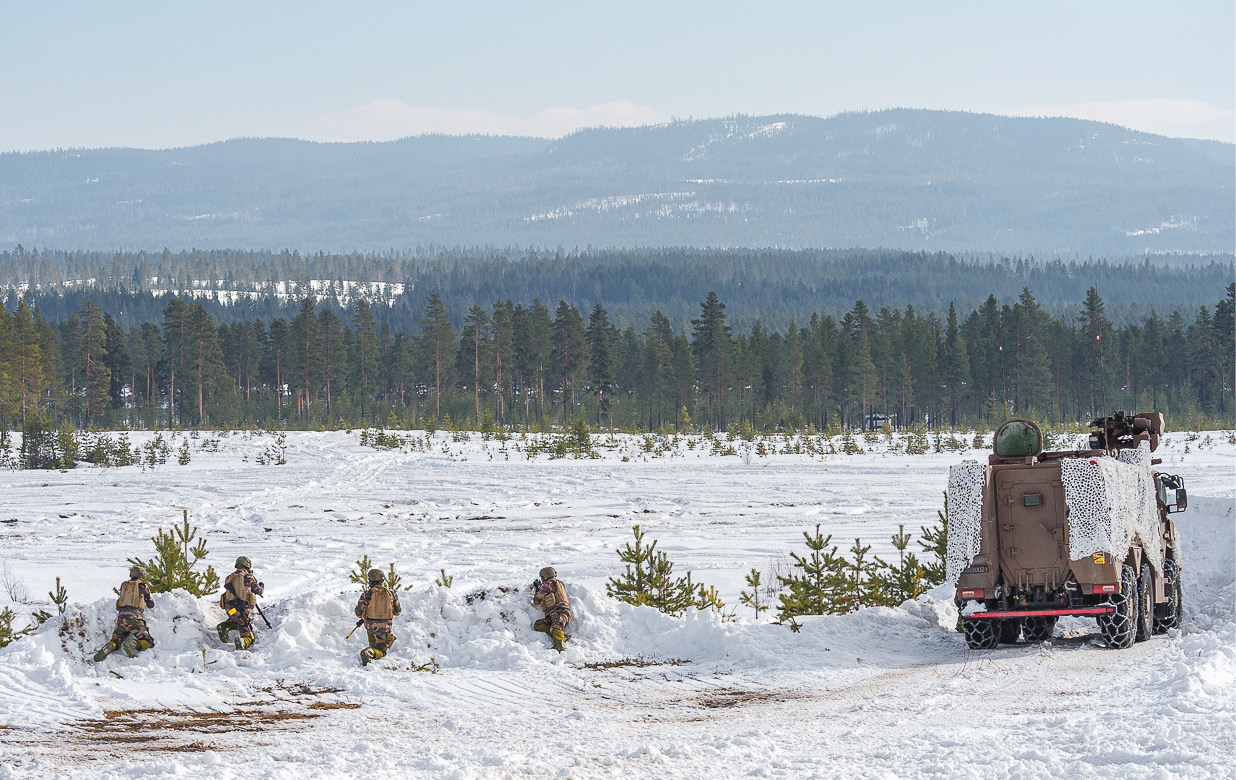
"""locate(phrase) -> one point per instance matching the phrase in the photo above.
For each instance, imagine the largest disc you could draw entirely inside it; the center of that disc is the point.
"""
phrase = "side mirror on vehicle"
(1181, 501)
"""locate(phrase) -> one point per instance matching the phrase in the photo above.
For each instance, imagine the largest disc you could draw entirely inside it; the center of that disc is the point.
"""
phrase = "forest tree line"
(517, 364)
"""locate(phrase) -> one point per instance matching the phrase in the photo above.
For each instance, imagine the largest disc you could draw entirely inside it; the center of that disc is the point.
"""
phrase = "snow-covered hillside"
(879, 693)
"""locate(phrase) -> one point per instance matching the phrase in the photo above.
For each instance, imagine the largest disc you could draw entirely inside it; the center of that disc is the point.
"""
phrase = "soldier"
(377, 607)
(131, 633)
(550, 595)
(239, 596)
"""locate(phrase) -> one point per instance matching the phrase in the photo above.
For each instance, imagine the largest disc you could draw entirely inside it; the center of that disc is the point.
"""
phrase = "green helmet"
(548, 573)
(244, 563)
(137, 573)
(377, 575)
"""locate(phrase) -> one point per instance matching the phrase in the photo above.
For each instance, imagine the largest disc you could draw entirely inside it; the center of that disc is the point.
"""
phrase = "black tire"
(1167, 614)
(981, 633)
(1120, 627)
(1145, 603)
(1010, 631)
(1038, 629)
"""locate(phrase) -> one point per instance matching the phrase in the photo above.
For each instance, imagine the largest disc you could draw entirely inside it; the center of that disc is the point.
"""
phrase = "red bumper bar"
(1045, 612)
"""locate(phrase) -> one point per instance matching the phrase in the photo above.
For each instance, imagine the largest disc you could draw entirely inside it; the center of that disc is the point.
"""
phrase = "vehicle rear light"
(1107, 588)
(973, 594)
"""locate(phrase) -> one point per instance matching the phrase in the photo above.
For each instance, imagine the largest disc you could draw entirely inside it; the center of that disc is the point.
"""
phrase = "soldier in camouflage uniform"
(239, 596)
(131, 633)
(550, 595)
(376, 607)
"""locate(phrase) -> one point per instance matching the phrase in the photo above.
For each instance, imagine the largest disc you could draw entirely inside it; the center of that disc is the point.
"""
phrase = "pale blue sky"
(159, 74)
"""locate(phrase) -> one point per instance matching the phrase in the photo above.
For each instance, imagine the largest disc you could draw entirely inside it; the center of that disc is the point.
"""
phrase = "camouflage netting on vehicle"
(965, 514)
(1111, 504)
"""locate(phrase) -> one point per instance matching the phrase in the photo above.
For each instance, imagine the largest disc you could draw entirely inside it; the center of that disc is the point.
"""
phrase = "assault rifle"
(359, 623)
(263, 614)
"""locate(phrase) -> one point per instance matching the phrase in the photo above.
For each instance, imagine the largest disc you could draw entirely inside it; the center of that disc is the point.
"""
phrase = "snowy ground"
(880, 693)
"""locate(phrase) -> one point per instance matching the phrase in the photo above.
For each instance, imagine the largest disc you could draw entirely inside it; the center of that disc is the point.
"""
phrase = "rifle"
(263, 614)
(359, 623)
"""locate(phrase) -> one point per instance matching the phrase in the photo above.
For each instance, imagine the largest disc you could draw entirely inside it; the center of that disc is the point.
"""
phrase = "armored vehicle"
(1035, 535)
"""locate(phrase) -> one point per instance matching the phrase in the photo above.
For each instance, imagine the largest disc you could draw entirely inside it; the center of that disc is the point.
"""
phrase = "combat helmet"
(548, 573)
(244, 563)
(376, 576)
(137, 573)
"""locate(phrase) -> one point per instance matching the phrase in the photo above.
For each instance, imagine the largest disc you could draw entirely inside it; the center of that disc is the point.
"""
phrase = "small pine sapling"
(935, 544)
(176, 553)
(442, 580)
(183, 457)
(813, 580)
(59, 597)
(754, 598)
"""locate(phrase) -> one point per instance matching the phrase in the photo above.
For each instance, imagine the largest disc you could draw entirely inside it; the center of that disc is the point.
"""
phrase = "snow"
(886, 692)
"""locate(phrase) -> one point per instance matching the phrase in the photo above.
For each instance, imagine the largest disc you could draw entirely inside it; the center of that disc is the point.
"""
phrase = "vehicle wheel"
(1167, 614)
(1119, 627)
(1038, 629)
(981, 634)
(1010, 631)
(1145, 603)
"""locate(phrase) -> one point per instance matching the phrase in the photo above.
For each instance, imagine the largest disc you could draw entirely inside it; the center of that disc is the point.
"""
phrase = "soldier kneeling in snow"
(550, 595)
(239, 596)
(131, 632)
(377, 607)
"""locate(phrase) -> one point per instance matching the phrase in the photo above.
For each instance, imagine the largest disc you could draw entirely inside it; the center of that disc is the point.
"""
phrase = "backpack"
(557, 600)
(131, 596)
(381, 604)
(235, 589)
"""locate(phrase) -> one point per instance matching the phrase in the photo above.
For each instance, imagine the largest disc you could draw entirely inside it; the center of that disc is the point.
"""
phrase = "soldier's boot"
(105, 651)
(541, 625)
(244, 642)
(559, 637)
(224, 629)
(371, 654)
(132, 646)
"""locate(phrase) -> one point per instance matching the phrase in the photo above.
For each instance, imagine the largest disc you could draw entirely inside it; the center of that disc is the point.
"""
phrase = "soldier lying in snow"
(550, 595)
(131, 633)
(377, 606)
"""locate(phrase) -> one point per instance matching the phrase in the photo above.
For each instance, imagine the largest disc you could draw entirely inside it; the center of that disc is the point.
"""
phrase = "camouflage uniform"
(131, 632)
(131, 621)
(240, 610)
(551, 597)
(380, 631)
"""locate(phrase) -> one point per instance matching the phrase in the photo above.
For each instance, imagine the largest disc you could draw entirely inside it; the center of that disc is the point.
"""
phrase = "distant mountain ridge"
(901, 178)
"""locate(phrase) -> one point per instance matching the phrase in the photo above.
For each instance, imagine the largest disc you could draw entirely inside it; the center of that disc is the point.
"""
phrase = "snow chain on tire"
(1038, 629)
(981, 634)
(1167, 615)
(1119, 628)
(1145, 604)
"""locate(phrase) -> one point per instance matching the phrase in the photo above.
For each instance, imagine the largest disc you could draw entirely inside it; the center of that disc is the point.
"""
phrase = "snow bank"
(488, 630)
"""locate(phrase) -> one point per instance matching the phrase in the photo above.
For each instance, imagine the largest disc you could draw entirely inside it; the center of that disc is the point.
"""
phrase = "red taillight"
(1106, 588)
(973, 594)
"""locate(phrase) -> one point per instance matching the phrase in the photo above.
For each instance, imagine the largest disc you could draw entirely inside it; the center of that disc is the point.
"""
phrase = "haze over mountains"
(909, 179)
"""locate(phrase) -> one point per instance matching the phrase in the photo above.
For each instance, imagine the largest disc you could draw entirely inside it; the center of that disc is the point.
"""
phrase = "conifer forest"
(537, 364)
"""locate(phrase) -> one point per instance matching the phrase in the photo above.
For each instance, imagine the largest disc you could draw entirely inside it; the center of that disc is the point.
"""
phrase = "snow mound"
(484, 631)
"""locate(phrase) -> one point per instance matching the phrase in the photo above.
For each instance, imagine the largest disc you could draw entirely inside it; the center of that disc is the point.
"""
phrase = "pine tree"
(93, 361)
(710, 347)
(365, 329)
(813, 581)
(600, 360)
(437, 342)
(569, 355)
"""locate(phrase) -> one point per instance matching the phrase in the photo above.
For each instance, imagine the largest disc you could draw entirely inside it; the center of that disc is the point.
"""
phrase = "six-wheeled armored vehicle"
(1034, 535)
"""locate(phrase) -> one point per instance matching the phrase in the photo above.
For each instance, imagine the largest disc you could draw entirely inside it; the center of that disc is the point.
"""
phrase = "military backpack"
(381, 604)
